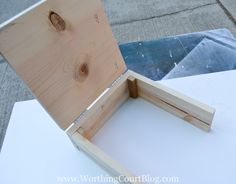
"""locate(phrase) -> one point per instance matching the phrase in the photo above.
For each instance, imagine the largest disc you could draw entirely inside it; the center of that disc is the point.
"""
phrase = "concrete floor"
(131, 21)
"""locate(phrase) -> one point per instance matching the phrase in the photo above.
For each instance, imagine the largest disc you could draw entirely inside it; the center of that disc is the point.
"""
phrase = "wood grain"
(132, 86)
(195, 112)
(94, 118)
(102, 159)
(67, 64)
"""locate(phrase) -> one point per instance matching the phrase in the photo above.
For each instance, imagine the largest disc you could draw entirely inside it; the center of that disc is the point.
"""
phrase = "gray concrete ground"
(131, 21)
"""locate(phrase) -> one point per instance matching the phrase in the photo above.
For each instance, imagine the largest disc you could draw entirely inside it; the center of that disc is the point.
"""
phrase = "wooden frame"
(133, 85)
(66, 53)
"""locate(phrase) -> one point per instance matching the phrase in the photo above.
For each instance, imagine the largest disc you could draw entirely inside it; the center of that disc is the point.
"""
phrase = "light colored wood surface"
(66, 66)
(93, 119)
(95, 153)
(195, 112)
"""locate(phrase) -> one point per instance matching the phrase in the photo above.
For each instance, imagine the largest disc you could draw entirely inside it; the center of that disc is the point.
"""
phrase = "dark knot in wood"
(84, 69)
(81, 72)
(58, 22)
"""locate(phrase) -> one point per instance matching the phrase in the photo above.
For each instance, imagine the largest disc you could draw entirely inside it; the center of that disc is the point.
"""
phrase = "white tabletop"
(142, 137)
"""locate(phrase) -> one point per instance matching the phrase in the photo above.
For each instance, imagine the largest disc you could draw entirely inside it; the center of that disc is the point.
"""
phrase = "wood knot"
(84, 69)
(188, 118)
(58, 22)
(81, 72)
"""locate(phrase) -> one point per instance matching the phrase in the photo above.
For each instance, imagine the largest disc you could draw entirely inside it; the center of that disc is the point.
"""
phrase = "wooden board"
(65, 52)
(182, 106)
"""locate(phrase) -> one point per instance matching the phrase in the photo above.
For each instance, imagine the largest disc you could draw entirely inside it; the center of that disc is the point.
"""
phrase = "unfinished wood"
(102, 159)
(94, 118)
(174, 102)
(65, 52)
(156, 93)
(175, 111)
(104, 107)
(198, 114)
(132, 85)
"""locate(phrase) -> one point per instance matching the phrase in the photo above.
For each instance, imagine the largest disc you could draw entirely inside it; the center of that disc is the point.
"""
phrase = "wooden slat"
(65, 52)
(106, 162)
(93, 119)
(154, 99)
(195, 112)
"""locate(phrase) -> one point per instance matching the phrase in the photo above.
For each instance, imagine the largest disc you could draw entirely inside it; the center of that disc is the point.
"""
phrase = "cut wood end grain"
(133, 88)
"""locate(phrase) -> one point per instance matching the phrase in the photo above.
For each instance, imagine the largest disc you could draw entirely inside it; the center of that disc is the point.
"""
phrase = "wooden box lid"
(65, 52)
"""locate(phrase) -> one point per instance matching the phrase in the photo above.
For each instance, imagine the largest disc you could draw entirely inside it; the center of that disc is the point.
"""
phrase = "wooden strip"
(102, 159)
(195, 112)
(132, 85)
(93, 119)
(175, 111)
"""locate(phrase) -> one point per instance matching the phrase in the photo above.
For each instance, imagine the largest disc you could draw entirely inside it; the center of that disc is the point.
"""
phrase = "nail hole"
(56, 20)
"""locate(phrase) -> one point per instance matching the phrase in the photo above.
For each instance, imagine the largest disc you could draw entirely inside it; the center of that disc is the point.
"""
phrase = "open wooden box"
(66, 53)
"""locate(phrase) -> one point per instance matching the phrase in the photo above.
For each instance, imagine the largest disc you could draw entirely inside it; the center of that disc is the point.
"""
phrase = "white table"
(35, 150)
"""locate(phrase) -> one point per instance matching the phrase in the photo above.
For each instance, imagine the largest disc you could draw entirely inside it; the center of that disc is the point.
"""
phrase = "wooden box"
(66, 53)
